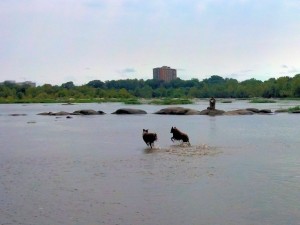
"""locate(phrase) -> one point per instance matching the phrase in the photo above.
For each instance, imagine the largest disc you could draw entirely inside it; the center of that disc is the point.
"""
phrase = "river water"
(97, 169)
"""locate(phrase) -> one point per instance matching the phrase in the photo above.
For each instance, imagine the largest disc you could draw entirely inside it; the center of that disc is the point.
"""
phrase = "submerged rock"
(253, 110)
(248, 111)
(129, 111)
(69, 103)
(281, 111)
(61, 113)
(78, 112)
(239, 112)
(88, 112)
(296, 111)
(212, 112)
(177, 111)
(265, 111)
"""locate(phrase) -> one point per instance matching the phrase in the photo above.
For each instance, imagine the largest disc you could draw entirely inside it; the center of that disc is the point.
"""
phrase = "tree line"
(217, 86)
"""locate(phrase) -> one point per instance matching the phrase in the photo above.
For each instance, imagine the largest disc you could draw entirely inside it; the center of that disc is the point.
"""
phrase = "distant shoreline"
(140, 101)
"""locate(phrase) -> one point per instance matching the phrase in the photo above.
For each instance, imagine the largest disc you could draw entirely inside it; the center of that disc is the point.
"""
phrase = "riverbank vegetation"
(130, 90)
(262, 100)
(294, 109)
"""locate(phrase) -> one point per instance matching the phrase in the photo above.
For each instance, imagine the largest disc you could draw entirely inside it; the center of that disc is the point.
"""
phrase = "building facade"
(164, 73)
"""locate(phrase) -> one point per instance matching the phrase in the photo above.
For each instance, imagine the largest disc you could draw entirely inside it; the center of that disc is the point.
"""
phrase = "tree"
(96, 84)
(68, 85)
(295, 86)
(214, 79)
(123, 93)
(146, 92)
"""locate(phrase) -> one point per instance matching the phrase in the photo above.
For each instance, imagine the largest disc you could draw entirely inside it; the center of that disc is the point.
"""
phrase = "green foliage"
(293, 109)
(261, 100)
(226, 101)
(68, 85)
(171, 101)
(120, 90)
(132, 101)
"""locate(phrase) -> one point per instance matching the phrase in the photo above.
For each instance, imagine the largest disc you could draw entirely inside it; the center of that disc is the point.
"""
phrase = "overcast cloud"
(54, 41)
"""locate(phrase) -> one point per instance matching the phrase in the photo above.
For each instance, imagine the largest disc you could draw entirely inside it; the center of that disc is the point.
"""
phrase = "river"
(97, 169)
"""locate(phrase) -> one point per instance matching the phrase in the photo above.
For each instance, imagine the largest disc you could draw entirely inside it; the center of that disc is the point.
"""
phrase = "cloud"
(126, 72)
(240, 75)
(288, 70)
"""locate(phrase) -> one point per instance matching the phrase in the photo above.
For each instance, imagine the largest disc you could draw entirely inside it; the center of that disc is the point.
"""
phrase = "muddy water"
(98, 170)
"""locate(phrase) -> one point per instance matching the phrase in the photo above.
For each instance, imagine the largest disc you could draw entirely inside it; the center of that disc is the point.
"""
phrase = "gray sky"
(55, 41)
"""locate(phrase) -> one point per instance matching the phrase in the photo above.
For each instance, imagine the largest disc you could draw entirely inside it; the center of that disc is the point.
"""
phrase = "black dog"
(149, 138)
(179, 136)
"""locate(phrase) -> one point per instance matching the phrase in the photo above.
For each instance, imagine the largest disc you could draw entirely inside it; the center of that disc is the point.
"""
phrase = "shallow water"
(98, 170)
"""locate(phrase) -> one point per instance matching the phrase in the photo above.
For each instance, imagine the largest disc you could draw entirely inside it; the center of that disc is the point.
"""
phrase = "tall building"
(164, 73)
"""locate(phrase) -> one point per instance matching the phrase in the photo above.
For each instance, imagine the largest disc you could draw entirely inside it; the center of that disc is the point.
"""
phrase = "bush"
(132, 101)
(293, 109)
(171, 101)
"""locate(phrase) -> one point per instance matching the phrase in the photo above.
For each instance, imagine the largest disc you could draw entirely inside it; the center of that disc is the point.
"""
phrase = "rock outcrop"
(281, 111)
(78, 112)
(248, 111)
(88, 112)
(166, 111)
(177, 111)
(212, 112)
(61, 113)
(265, 111)
(239, 112)
(129, 111)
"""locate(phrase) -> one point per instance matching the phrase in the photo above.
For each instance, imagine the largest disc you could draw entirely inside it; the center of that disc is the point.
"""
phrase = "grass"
(226, 101)
(262, 100)
(171, 101)
(132, 101)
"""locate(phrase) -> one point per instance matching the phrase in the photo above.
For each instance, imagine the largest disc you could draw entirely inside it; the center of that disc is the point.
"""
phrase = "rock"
(18, 114)
(69, 103)
(296, 111)
(239, 112)
(69, 117)
(248, 111)
(129, 111)
(177, 111)
(281, 110)
(88, 112)
(212, 112)
(61, 113)
(79, 112)
(44, 113)
(253, 110)
(265, 111)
